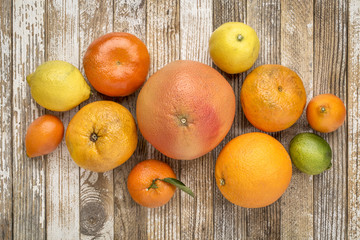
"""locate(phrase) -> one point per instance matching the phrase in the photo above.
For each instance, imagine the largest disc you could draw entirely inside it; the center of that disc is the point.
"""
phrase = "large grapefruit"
(185, 109)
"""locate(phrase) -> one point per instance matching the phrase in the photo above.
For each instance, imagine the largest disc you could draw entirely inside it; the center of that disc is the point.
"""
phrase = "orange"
(185, 109)
(253, 170)
(101, 136)
(272, 97)
(145, 186)
(326, 113)
(43, 135)
(117, 63)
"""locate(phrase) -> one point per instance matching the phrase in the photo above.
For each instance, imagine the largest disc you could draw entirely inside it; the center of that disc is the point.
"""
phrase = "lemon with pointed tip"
(234, 47)
(58, 86)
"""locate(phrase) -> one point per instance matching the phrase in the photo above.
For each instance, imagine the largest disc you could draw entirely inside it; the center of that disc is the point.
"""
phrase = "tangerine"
(272, 97)
(43, 135)
(116, 64)
(101, 136)
(145, 185)
(326, 113)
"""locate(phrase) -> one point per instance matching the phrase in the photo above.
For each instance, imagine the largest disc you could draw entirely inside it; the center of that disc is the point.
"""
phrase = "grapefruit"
(185, 109)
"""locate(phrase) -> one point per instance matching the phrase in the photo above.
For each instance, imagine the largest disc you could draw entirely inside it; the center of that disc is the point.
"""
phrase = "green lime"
(310, 153)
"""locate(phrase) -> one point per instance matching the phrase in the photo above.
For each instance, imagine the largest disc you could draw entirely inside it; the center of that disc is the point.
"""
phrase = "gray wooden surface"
(50, 197)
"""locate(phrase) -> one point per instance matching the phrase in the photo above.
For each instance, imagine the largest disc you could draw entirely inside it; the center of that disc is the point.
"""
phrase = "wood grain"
(96, 189)
(264, 17)
(229, 219)
(197, 214)
(162, 31)
(6, 149)
(130, 218)
(62, 181)
(50, 197)
(28, 174)
(353, 118)
(330, 49)
(297, 54)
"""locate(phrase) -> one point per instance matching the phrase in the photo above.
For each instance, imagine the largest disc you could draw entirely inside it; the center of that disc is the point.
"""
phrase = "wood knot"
(92, 218)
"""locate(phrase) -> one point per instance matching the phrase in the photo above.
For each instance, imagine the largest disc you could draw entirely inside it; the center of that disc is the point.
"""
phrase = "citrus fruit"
(310, 153)
(145, 186)
(325, 113)
(185, 109)
(101, 136)
(272, 97)
(234, 47)
(116, 64)
(58, 86)
(253, 170)
(43, 135)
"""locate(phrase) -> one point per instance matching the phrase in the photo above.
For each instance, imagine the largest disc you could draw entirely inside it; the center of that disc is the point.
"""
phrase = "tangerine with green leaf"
(152, 183)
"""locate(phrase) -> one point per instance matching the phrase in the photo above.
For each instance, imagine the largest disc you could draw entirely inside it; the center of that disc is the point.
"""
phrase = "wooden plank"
(130, 218)
(6, 77)
(96, 189)
(297, 54)
(353, 118)
(229, 219)
(163, 42)
(264, 17)
(197, 214)
(62, 174)
(28, 174)
(330, 49)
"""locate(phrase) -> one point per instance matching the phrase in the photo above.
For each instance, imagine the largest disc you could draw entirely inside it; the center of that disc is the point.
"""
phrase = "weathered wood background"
(51, 198)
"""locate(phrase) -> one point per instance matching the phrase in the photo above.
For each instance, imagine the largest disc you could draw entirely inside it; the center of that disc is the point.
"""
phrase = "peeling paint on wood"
(28, 174)
(353, 109)
(330, 45)
(162, 33)
(229, 219)
(62, 181)
(52, 198)
(6, 146)
(96, 189)
(297, 54)
(197, 214)
(264, 17)
(129, 219)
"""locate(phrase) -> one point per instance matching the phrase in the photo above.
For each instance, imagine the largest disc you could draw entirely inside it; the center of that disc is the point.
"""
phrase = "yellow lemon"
(234, 47)
(58, 86)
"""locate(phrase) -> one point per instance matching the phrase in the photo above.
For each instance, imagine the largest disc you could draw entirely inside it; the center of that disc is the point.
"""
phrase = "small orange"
(43, 135)
(326, 113)
(117, 63)
(272, 97)
(145, 187)
(253, 170)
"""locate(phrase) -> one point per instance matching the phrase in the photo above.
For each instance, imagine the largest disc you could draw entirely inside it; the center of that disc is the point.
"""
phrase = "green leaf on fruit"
(179, 185)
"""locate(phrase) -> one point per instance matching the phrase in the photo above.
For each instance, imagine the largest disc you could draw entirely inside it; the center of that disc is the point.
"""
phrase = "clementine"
(253, 170)
(272, 97)
(101, 136)
(117, 63)
(43, 135)
(145, 185)
(185, 109)
(326, 113)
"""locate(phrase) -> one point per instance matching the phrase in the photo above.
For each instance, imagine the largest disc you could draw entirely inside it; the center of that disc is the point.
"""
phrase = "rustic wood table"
(51, 198)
